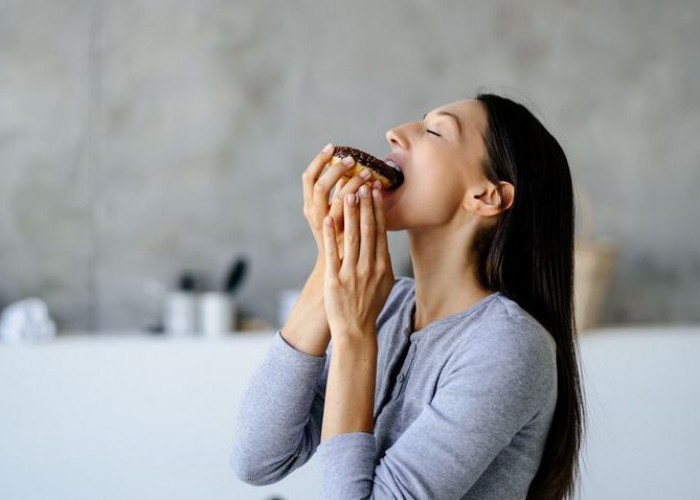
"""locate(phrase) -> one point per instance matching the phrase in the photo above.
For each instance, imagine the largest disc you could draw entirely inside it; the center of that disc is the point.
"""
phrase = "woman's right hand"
(317, 185)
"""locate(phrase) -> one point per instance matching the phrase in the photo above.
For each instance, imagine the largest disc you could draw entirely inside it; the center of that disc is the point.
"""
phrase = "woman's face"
(441, 157)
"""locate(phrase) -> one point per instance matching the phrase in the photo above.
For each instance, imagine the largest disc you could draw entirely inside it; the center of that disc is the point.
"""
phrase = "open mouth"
(391, 163)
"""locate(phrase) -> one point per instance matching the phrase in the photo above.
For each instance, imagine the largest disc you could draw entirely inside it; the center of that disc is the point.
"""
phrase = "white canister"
(180, 313)
(217, 314)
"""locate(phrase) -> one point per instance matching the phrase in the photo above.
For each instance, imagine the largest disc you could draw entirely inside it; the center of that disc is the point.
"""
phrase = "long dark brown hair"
(528, 255)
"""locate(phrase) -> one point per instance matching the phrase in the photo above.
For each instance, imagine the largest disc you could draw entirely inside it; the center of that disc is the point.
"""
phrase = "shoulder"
(505, 324)
(509, 347)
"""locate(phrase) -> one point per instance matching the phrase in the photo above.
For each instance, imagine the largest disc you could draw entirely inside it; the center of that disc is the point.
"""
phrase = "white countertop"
(120, 414)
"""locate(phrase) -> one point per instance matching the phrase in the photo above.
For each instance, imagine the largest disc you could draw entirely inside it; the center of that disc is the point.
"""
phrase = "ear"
(485, 199)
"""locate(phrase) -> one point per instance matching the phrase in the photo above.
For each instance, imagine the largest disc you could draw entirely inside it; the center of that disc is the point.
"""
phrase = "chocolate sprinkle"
(394, 176)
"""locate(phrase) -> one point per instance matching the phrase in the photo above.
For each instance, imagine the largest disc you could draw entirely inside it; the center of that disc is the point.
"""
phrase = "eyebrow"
(447, 113)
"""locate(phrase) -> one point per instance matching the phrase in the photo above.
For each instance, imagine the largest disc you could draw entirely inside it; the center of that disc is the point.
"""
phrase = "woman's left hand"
(356, 287)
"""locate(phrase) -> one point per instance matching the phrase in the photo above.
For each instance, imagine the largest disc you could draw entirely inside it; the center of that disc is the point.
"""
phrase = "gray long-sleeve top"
(462, 408)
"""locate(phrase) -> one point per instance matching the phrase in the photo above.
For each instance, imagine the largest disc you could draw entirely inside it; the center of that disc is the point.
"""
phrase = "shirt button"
(400, 378)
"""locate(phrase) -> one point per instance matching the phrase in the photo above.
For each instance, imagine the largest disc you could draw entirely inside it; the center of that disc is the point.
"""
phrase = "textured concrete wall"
(139, 138)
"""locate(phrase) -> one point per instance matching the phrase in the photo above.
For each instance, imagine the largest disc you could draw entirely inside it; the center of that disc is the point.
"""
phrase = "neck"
(445, 273)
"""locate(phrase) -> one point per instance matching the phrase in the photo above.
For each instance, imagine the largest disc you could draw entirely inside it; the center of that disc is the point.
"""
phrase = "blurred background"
(142, 138)
(151, 151)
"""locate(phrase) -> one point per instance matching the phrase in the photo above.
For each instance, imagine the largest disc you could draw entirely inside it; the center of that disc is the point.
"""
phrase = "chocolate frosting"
(394, 176)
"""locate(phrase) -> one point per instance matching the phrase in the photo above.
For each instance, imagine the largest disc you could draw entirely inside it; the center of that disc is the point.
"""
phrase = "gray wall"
(139, 138)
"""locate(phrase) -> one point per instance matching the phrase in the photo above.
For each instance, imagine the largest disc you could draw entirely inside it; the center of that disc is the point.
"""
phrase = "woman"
(460, 383)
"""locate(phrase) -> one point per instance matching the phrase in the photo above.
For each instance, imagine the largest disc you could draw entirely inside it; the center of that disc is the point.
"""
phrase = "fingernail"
(328, 148)
(365, 174)
(348, 160)
(350, 199)
(375, 194)
(364, 191)
(377, 185)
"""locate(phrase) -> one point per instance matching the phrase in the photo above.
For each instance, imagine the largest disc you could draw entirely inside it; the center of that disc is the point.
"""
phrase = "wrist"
(355, 339)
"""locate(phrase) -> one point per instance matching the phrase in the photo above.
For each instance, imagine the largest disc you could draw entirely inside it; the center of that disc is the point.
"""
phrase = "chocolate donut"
(390, 177)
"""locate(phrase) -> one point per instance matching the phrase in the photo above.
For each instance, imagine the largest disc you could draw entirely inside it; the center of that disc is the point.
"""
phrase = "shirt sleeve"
(278, 426)
(484, 397)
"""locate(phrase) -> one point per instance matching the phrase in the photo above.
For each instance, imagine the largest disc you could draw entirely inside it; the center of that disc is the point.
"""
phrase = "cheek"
(439, 198)
(432, 195)
(431, 199)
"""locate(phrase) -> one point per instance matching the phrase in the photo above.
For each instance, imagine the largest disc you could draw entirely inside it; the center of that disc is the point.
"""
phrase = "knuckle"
(350, 185)
(357, 182)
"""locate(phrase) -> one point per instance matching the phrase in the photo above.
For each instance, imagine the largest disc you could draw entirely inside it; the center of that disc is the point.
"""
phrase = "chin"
(393, 221)
(393, 215)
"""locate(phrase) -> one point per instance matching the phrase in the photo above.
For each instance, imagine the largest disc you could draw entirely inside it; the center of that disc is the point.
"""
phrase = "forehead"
(471, 113)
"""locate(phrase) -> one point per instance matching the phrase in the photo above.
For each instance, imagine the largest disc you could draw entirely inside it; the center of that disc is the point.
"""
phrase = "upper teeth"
(392, 164)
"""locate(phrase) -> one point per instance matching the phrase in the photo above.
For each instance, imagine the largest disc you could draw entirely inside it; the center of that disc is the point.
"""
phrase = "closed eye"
(432, 132)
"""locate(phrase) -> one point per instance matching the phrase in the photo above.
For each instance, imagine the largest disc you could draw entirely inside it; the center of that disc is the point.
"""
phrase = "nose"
(396, 138)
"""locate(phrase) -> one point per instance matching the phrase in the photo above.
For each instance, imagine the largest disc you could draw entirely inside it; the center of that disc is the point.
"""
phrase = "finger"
(312, 172)
(338, 186)
(368, 229)
(351, 184)
(322, 187)
(350, 187)
(335, 171)
(332, 258)
(351, 234)
(382, 246)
